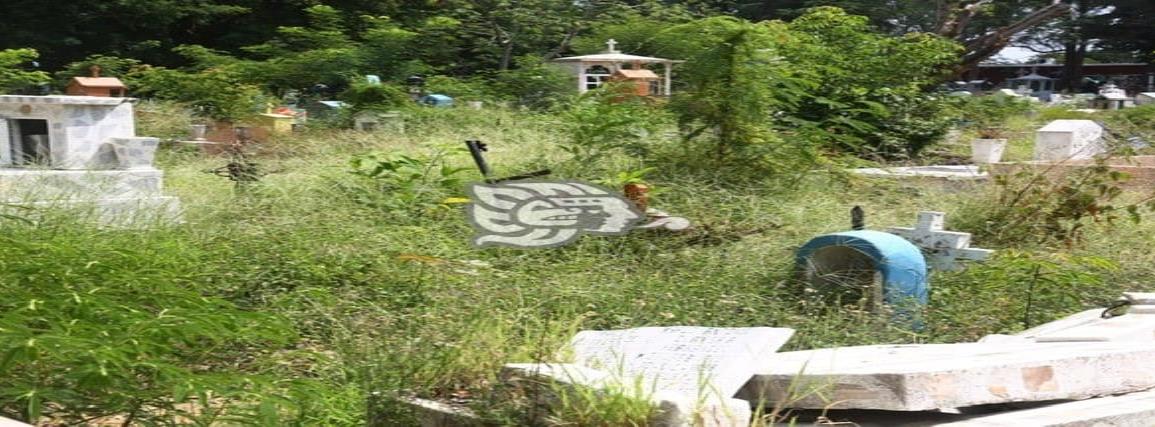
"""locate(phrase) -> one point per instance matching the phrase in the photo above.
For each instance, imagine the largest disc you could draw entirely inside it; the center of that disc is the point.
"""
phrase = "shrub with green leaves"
(13, 76)
(399, 182)
(602, 121)
(367, 96)
(1050, 205)
(218, 94)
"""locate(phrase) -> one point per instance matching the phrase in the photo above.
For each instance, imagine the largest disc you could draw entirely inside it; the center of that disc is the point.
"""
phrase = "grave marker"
(932, 376)
(1063, 140)
(681, 359)
(943, 247)
(690, 374)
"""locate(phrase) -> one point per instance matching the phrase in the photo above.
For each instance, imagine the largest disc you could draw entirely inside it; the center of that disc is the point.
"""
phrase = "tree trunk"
(987, 45)
(1074, 54)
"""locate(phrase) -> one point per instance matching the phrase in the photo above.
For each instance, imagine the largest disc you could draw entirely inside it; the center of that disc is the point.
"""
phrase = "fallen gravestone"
(932, 376)
(690, 374)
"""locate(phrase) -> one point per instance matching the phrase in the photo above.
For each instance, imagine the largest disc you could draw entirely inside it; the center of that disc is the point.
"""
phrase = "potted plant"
(989, 144)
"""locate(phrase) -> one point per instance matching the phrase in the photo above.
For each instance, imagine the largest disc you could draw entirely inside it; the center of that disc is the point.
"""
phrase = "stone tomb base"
(1140, 168)
(932, 376)
(111, 197)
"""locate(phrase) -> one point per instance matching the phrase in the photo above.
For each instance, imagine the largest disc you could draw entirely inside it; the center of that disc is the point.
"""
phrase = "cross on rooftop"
(612, 45)
(943, 247)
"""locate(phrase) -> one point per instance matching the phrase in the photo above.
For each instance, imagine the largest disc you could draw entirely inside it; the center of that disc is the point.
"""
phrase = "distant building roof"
(1032, 76)
(112, 82)
(614, 57)
(637, 74)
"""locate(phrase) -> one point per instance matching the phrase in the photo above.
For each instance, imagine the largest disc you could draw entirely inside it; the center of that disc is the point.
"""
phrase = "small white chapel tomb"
(1063, 140)
(1033, 85)
(593, 71)
(1112, 97)
(74, 150)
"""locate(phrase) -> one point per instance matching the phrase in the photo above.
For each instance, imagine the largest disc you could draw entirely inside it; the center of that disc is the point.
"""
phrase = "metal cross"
(942, 247)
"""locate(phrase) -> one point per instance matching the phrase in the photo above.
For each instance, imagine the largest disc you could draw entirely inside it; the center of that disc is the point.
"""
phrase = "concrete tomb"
(689, 373)
(1063, 140)
(943, 172)
(77, 150)
(932, 376)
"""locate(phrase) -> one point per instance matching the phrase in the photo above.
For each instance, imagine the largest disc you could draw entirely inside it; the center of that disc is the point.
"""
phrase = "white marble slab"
(931, 376)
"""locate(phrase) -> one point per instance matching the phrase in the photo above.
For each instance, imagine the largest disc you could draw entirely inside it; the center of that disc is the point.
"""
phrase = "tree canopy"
(468, 36)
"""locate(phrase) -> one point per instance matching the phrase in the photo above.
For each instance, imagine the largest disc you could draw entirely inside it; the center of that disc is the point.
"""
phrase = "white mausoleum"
(71, 151)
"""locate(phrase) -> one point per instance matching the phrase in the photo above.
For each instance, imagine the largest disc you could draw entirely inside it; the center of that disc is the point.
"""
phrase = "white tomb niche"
(69, 151)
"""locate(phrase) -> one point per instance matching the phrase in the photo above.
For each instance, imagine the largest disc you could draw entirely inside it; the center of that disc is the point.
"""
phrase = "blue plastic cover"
(437, 100)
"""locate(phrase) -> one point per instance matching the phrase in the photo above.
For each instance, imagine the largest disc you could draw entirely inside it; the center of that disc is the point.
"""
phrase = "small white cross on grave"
(612, 45)
(943, 247)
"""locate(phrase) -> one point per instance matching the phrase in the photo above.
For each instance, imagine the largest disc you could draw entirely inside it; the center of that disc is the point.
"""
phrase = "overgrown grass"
(369, 301)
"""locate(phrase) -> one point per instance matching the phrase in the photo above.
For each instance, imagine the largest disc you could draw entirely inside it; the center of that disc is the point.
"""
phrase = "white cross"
(612, 45)
(943, 247)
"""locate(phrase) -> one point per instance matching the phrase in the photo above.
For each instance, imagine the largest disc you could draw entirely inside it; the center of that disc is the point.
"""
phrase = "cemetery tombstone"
(1063, 140)
(80, 152)
(689, 373)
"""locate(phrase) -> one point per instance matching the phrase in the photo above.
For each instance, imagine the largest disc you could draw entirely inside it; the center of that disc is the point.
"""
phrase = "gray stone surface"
(77, 125)
(80, 153)
(689, 373)
(432, 413)
(18, 185)
(945, 172)
(1063, 140)
(1128, 410)
(687, 360)
(5, 422)
(931, 376)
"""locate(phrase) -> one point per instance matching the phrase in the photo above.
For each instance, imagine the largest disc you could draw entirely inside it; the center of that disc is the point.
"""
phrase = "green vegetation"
(343, 281)
(297, 301)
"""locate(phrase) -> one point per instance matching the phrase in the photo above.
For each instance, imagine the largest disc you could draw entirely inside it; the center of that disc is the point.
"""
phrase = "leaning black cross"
(477, 148)
(857, 218)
